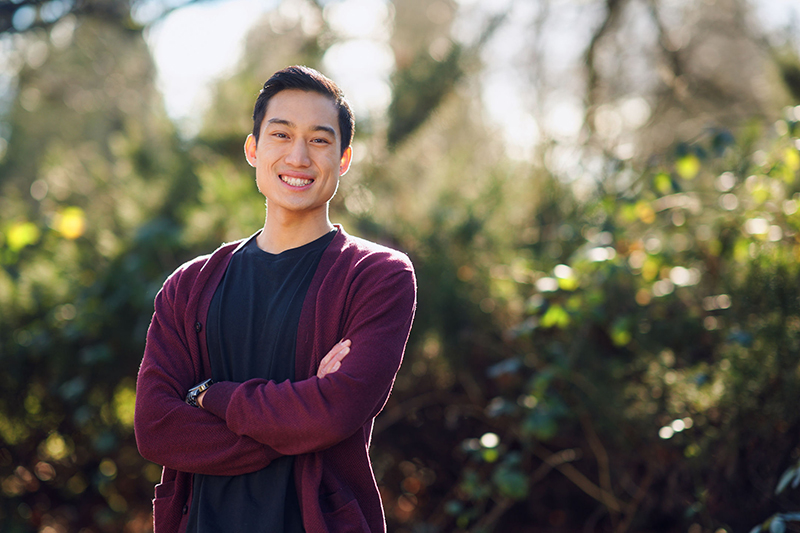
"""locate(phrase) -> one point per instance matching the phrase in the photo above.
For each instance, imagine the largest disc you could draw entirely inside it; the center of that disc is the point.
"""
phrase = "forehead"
(303, 109)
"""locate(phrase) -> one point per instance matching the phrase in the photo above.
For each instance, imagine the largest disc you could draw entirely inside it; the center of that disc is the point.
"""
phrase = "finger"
(333, 368)
(335, 360)
(333, 364)
(332, 360)
(336, 351)
(326, 367)
(340, 354)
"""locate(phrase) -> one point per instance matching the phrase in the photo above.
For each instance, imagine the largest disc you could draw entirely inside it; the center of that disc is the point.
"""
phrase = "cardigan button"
(198, 326)
(185, 509)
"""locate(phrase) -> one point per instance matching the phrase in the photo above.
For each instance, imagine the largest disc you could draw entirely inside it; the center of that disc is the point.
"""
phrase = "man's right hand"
(333, 360)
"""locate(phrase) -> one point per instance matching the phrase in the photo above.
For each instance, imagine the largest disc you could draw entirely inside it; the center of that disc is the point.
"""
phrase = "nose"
(298, 154)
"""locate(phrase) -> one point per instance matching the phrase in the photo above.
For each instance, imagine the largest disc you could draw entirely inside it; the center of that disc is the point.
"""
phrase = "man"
(267, 360)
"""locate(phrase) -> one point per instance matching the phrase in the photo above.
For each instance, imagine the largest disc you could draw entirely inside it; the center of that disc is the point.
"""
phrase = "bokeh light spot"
(71, 222)
(490, 440)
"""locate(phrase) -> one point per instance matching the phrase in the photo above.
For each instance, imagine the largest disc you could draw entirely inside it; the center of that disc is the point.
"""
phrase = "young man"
(267, 361)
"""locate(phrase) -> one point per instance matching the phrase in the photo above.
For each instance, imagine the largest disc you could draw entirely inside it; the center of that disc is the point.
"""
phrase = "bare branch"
(672, 72)
(613, 11)
(601, 455)
(581, 481)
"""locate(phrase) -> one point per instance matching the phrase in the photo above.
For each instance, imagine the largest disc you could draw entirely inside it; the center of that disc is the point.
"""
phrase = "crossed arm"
(314, 414)
(168, 431)
(329, 364)
(250, 424)
(171, 433)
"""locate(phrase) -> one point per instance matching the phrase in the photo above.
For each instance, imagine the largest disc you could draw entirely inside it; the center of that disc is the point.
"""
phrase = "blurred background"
(601, 199)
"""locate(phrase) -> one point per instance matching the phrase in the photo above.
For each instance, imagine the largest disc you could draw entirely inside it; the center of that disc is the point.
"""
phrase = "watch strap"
(194, 392)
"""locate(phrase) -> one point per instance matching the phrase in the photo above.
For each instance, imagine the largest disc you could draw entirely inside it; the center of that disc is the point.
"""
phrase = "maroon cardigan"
(361, 291)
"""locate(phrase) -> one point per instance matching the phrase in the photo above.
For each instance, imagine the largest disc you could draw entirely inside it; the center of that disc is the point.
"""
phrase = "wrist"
(217, 399)
(200, 399)
(196, 391)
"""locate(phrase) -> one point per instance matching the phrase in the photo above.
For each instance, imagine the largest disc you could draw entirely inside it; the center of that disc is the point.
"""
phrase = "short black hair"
(305, 79)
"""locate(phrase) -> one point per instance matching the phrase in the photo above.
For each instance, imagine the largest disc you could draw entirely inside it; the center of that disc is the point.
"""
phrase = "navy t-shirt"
(252, 333)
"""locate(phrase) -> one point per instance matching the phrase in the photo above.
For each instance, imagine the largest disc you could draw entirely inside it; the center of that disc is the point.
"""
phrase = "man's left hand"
(333, 360)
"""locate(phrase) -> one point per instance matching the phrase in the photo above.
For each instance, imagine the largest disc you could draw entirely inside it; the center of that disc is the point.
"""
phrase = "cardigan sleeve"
(315, 414)
(168, 431)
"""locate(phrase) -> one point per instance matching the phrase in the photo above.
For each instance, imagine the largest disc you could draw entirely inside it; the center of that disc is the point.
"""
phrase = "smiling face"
(298, 158)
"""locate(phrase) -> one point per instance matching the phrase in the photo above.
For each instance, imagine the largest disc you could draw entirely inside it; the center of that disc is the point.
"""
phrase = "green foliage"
(418, 91)
(791, 476)
(790, 71)
(623, 360)
(667, 327)
(777, 522)
(91, 184)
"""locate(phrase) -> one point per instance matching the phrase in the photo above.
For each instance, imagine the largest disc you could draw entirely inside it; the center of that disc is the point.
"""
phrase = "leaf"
(508, 366)
(21, 235)
(490, 455)
(541, 381)
(511, 482)
(568, 284)
(645, 212)
(786, 478)
(688, 166)
(541, 424)
(70, 223)
(620, 334)
(453, 507)
(777, 525)
(555, 316)
(792, 159)
(663, 183)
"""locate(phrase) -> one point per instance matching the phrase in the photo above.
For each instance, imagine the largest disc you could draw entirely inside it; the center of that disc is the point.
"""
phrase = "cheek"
(261, 180)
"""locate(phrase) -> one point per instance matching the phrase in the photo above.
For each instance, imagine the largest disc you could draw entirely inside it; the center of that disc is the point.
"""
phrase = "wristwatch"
(194, 392)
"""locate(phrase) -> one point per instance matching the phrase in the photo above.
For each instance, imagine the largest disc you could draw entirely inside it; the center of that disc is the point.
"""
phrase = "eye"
(320, 140)
(280, 135)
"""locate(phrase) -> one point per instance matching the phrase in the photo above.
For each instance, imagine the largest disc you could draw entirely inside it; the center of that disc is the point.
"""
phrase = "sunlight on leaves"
(645, 212)
(55, 447)
(555, 316)
(70, 223)
(791, 157)
(688, 166)
(22, 234)
(124, 401)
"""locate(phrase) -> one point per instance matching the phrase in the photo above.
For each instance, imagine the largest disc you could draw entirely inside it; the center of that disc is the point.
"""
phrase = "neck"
(280, 235)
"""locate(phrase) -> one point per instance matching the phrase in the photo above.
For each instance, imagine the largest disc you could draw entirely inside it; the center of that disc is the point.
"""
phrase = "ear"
(344, 164)
(250, 150)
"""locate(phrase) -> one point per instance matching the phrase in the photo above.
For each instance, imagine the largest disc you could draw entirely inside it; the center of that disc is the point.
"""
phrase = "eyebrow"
(291, 124)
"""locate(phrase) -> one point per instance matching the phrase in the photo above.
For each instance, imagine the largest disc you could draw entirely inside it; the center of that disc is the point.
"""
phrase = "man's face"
(297, 157)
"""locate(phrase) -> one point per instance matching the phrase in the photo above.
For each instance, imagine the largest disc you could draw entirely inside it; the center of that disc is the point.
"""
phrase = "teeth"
(295, 182)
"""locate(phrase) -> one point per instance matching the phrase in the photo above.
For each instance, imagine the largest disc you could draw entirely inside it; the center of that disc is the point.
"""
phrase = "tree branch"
(613, 10)
(118, 11)
(601, 456)
(581, 481)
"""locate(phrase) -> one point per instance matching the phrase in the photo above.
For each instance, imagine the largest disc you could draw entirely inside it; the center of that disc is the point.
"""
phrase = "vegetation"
(613, 351)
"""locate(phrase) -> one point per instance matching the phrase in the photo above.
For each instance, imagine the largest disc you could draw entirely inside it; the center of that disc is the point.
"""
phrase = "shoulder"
(361, 253)
(363, 267)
